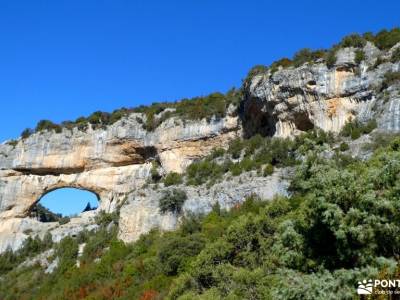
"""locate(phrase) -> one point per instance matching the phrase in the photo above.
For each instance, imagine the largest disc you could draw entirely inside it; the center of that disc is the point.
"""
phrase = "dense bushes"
(353, 40)
(43, 214)
(340, 225)
(359, 56)
(390, 78)
(258, 153)
(172, 201)
(396, 55)
(31, 247)
(384, 40)
(213, 105)
(355, 129)
(173, 178)
(306, 55)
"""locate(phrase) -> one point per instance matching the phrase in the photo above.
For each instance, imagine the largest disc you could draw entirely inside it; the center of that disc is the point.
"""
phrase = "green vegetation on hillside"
(384, 40)
(258, 153)
(340, 225)
(206, 107)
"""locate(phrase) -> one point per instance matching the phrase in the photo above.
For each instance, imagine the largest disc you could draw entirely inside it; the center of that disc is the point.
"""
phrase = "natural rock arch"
(63, 188)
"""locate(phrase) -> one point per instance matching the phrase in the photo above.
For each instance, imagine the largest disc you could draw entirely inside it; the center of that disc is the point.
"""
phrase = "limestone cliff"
(115, 162)
(110, 162)
(293, 100)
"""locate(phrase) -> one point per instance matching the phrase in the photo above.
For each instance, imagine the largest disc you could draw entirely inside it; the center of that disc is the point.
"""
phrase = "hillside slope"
(315, 135)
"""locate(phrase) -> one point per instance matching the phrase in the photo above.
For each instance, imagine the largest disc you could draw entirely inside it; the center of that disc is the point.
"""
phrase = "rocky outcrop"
(116, 162)
(293, 100)
(141, 212)
(110, 162)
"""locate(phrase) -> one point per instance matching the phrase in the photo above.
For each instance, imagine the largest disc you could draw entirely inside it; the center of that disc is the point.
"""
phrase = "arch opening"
(63, 203)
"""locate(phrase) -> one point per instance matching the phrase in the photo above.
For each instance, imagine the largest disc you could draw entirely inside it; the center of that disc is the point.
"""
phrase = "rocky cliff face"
(116, 162)
(293, 100)
(110, 162)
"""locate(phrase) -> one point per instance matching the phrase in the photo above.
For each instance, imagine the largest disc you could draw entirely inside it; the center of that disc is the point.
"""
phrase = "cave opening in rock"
(64, 203)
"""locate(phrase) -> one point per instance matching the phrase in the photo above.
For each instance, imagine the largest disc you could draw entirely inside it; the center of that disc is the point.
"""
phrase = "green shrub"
(173, 178)
(12, 143)
(330, 58)
(154, 174)
(67, 252)
(235, 148)
(306, 55)
(268, 170)
(217, 152)
(395, 55)
(172, 201)
(103, 219)
(390, 78)
(355, 129)
(344, 146)
(175, 253)
(26, 133)
(353, 40)
(254, 71)
(283, 62)
(200, 172)
(387, 39)
(47, 125)
(359, 56)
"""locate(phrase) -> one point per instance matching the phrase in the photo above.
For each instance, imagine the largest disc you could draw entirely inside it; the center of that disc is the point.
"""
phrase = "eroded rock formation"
(110, 162)
(116, 162)
(293, 100)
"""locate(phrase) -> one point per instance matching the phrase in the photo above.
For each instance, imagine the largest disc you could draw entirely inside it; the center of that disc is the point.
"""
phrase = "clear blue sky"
(68, 201)
(63, 59)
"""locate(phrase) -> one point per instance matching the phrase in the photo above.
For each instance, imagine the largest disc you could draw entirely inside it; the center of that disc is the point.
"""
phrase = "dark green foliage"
(154, 174)
(26, 133)
(47, 125)
(330, 58)
(268, 170)
(200, 172)
(43, 214)
(175, 254)
(172, 201)
(386, 39)
(359, 56)
(355, 129)
(173, 178)
(96, 244)
(253, 154)
(256, 70)
(395, 55)
(235, 148)
(31, 247)
(103, 219)
(67, 252)
(217, 152)
(283, 62)
(213, 105)
(344, 146)
(353, 40)
(12, 143)
(390, 79)
(306, 55)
